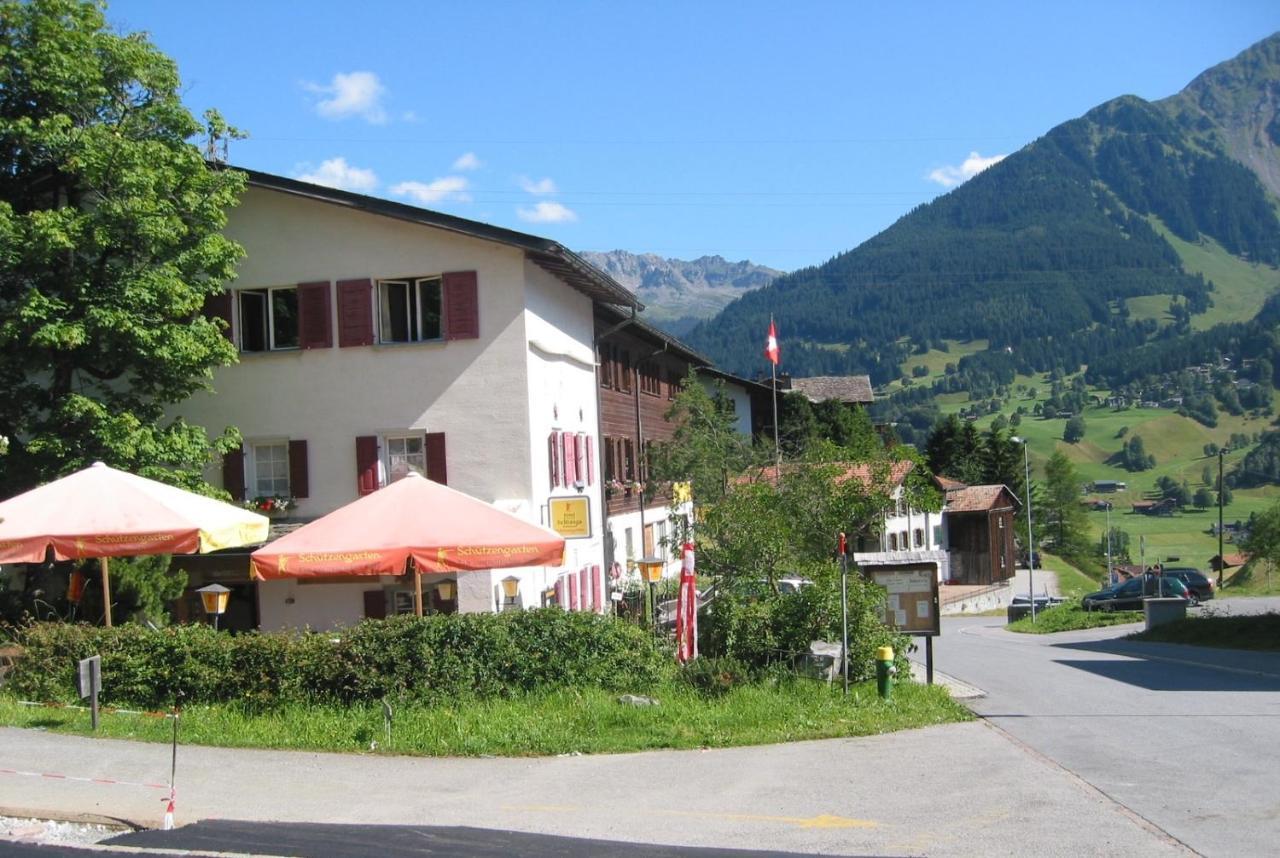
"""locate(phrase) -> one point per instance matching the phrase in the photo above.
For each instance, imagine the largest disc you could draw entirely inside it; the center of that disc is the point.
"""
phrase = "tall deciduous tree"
(110, 244)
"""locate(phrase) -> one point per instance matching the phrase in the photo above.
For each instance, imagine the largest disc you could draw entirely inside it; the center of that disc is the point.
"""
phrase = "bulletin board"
(911, 606)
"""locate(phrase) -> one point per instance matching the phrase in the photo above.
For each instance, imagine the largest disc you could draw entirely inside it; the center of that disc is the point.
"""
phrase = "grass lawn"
(589, 721)
(1069, 617)
(1257, 632)
(1253, 579)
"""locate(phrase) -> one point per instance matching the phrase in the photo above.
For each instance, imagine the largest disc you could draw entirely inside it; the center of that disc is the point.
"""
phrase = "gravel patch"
(55, 832)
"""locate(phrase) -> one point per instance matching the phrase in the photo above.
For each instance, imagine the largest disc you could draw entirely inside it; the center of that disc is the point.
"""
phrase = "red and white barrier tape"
(101, 781)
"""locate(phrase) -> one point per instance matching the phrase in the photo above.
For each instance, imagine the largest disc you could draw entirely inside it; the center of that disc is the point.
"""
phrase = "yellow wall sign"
(571, 517)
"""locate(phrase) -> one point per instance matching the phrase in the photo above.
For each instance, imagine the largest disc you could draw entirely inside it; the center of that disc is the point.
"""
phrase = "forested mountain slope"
(1039, 253)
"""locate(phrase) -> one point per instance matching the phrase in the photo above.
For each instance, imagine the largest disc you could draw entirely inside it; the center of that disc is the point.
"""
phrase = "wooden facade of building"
(979, 522)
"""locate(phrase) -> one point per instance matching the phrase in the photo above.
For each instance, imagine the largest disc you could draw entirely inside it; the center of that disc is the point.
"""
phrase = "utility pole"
(1222, 561)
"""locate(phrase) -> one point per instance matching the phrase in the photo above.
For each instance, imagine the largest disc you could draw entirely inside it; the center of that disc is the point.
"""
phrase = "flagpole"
(773, 373)
(777, 447)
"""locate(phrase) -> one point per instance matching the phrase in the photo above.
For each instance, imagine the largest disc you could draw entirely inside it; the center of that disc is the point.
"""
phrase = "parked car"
(1200, 585)
(1128, 595)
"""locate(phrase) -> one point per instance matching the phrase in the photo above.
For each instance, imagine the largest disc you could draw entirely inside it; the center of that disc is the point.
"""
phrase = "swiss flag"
(771, 350)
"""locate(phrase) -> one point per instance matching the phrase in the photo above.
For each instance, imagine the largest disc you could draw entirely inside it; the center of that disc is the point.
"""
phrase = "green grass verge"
(1070, 617)
(588, 721)
(1257, 632)
(1253, 579)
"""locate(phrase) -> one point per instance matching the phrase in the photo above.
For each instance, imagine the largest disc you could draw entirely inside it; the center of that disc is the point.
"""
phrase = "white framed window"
(404, 454)
(409, 310)
(268, 319)
(267, 466)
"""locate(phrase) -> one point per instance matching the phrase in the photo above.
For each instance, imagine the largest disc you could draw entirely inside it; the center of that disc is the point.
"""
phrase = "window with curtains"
(268, 469)
(404, 455)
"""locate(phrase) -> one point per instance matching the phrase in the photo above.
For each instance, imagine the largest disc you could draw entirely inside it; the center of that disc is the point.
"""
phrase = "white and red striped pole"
(687, 608)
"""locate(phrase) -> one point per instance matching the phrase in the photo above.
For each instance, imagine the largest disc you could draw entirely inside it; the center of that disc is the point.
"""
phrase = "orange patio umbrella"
(414, 523)
(103, 512)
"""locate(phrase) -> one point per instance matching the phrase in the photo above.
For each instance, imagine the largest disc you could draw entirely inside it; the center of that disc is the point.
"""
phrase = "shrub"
(428, 659)
(713, 676)
(761, 629)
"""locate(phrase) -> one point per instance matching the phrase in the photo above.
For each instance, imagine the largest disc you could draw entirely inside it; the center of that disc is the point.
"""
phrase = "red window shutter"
(570, 446)
(367, 464)
(597, 589)
(375, 605)
(355, 313)
(580, 464)
(314, 328)
(219, 307)
(591, 460)
(436, 469)
(553, 459)
(299, 484)
(461, 305)
(233, 473)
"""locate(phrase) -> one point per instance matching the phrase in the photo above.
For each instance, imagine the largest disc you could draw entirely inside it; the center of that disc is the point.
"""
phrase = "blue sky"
(783, 133)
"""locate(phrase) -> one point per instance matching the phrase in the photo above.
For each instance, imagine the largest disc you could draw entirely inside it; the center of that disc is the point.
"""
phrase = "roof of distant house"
(845, 388)
(977, 498)
(543, 252)
(947, 484)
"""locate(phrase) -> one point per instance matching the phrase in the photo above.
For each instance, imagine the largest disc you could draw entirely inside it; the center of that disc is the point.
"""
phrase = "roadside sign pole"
(928, 659)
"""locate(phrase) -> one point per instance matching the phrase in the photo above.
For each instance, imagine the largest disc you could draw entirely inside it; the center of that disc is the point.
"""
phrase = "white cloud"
(540, 188)
(438, 190)
(467, 161)
(547, 212)
(951, 176)
(337, 173)
(355, 94)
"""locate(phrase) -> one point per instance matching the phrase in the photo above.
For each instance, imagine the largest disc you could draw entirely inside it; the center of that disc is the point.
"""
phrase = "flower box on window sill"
(272, 506)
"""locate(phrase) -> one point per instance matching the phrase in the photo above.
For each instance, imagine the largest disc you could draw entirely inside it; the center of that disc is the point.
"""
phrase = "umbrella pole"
(106, 589)
(417, 588)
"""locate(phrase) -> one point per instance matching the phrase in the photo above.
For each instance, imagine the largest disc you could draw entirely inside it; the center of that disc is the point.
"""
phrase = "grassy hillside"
(1176, 442)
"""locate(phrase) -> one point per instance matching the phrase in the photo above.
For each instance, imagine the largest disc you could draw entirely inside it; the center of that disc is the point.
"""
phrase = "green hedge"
(430, 660)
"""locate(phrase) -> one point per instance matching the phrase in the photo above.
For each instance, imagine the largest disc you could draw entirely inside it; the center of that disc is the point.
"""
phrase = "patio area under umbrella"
(414, 524)
(101, 512)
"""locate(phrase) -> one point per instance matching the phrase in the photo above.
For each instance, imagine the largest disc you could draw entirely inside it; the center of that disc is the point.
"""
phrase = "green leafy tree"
(1203, 498)
(110, 244)
(1065, 518)
(706, 449)
(1073, 431)
(141, 589)
(1119, 545)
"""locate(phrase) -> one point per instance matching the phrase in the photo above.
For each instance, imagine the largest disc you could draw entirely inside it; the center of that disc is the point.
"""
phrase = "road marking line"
(61, 777)
(822, 820)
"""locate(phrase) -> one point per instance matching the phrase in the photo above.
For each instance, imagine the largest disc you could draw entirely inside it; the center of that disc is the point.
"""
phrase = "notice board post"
(911, 603)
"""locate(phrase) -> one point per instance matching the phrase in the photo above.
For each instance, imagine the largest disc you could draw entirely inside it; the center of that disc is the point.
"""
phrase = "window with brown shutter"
(355, 313)
(233, 473)
(299, 478)
(650, 379)
(606, 366)
(436, 469)
(314, 328)
(624, 371)
(461, 305)
(366, 464)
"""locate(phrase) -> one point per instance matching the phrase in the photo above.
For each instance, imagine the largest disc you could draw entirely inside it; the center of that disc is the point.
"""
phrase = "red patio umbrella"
(103, 512)
(687, 609)
(414, 519)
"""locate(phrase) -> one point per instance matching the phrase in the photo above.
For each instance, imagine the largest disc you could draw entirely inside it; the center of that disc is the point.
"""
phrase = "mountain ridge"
(1040, 253)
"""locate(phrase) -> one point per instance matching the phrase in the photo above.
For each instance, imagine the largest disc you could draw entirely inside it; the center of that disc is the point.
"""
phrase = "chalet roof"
(845, 388)
(642, 329)
(978, 498)
(947, 484)
(543, 252)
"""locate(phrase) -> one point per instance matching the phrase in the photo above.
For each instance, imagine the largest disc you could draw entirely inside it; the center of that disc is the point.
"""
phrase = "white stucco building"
(375, 337)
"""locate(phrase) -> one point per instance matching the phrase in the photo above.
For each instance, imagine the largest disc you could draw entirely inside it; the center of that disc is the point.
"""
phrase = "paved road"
(960, 789)
(1184, 737)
